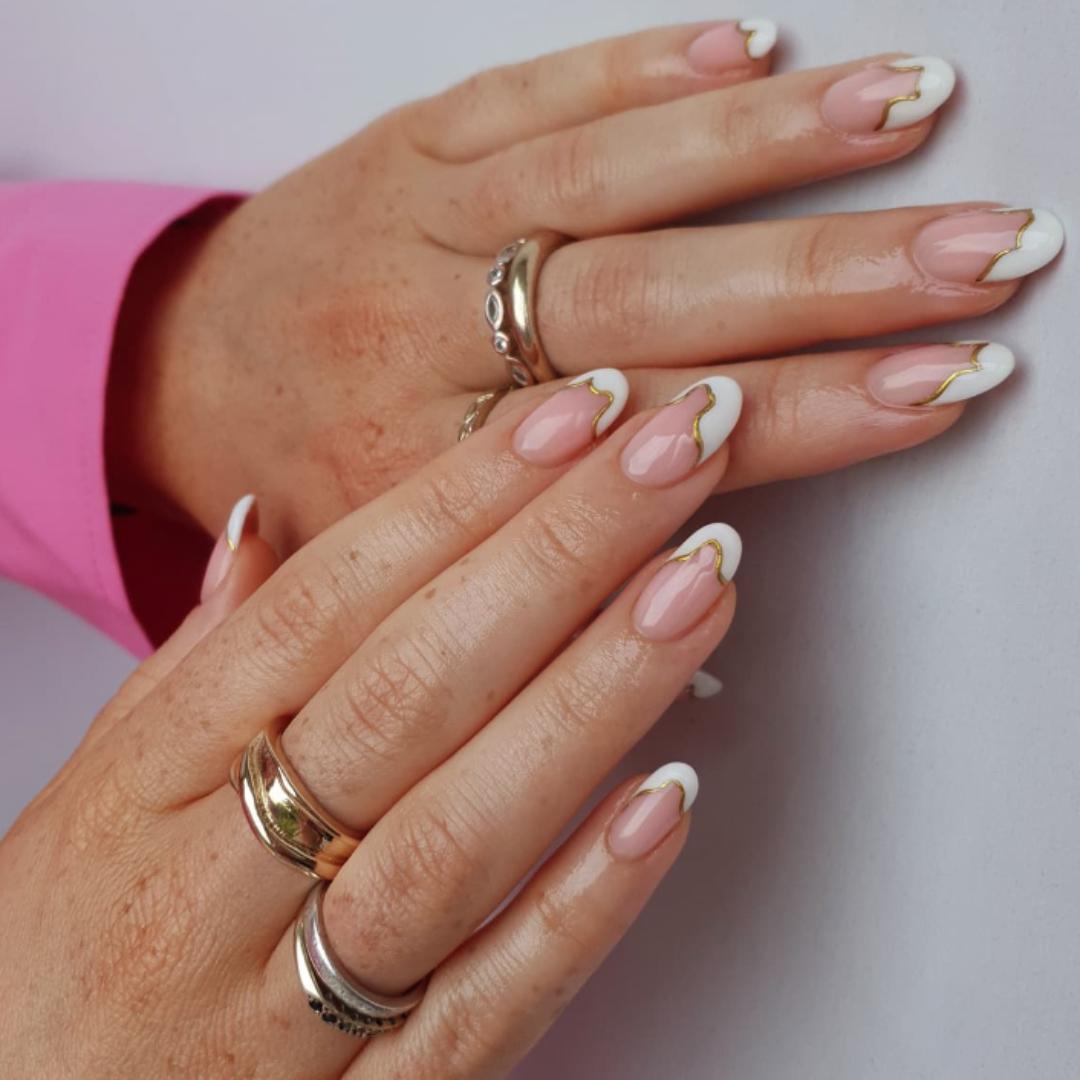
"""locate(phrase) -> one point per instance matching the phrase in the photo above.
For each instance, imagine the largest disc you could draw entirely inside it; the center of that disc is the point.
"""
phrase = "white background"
(884, 873)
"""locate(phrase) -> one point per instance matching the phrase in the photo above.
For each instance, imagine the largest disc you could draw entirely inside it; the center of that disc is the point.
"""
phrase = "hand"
(323, 341)
(421, 644)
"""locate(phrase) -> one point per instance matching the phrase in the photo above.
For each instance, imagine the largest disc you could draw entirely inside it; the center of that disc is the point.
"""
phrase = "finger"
(493, 999)
(693, 296)
(278, 649)
(449, 657)
(507, 104)
(459, 840)
(651, 165)
(241, 561)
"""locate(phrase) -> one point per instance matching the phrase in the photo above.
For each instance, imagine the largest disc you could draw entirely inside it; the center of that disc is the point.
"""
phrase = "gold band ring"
(283, 814)
(477, 413)
(510, 306)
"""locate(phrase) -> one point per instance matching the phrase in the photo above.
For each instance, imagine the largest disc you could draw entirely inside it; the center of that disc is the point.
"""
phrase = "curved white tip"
(716, 424)
(761, 36)
(234, 529)
(935, 85)
(1037, 244)
(704, 685)
(725, 536)
(607, 380)
(677, 772)
(995, 364)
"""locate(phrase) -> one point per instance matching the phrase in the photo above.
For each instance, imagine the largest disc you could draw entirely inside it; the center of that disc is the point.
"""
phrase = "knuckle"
(572, 702)
(560, 924)
(462, 1036)
(452, 501)
(811, 258)
(570, 173)
(737, 128)
(559, 541)
(615, 290)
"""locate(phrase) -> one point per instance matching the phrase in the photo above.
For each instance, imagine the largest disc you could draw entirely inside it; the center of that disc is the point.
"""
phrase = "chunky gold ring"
(510, 306)
(283, 814)
(477, 413)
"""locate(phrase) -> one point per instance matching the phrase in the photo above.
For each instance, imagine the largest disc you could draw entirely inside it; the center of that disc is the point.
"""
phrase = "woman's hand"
(425, 646)
(325, 339)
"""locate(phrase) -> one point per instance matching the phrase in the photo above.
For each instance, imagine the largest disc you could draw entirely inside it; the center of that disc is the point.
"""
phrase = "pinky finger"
(492, 1000)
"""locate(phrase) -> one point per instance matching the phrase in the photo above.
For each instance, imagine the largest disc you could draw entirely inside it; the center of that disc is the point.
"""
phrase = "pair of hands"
(320, 344)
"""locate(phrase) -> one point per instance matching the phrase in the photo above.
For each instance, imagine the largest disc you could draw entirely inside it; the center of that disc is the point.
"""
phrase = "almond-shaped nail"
(940, 374)
(687, 586)
(572, 418)
(684, 433)
(242, 518)
(885, 97)
(977, 246)
(656, 807)
(730, 45)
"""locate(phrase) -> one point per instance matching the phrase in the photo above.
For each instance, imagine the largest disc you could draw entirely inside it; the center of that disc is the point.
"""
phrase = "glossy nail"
(684, 433)
(572, 418)
(731, 45)
(988, 245)
(888, 96)
(654, 809)
(242, 518)
(940, 374)
(683, 590)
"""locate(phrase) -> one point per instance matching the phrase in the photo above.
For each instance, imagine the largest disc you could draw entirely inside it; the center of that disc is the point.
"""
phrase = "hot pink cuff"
(66, 253)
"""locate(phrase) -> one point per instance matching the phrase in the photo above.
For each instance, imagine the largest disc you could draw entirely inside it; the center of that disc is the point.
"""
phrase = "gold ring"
(510, 306)
(477, 413)
(283, 813)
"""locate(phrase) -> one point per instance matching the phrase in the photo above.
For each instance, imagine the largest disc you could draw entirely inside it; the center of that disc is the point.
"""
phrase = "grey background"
(883, 876)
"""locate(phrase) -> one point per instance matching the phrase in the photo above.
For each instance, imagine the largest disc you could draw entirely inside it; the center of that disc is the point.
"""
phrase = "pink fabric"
(66, 253)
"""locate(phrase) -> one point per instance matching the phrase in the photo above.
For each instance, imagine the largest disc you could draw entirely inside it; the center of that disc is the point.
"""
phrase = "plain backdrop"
(884, 871)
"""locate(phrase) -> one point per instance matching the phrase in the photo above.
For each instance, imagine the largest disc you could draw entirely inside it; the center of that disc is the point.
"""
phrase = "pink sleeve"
(66, 252)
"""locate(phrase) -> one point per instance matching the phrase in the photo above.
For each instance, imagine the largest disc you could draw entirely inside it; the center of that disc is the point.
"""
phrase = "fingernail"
(244, 515)
(988, 245)
(654, 809)
(940, 374)
(730, 45)
(702, 685)
(688, 584)
(889, 96)
(684, 433)
(572, 418)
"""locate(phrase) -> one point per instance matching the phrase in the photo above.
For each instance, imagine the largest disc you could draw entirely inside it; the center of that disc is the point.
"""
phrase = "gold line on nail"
(594, 389)
(973, 368)
(710, 403)
(1009, 250)
(660, 787)
(914, 96)
(718, 558)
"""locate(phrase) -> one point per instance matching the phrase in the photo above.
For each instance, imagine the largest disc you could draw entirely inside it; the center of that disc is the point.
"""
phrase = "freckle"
(489, 695)
(279, 389)
(430, 594)
(214, 856)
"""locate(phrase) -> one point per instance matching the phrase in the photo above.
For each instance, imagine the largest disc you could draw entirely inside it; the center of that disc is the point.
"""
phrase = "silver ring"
(334, 996)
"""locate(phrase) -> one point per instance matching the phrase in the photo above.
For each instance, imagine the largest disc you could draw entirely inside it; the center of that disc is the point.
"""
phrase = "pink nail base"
(645, 822)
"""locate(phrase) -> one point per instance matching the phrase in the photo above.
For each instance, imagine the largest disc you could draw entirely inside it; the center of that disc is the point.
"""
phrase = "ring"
(510, 303)
(336, 998)
(478, 412)
(283, 814)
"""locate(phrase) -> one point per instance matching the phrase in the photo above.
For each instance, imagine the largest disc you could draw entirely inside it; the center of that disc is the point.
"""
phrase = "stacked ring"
(283, 814)
(334, 996)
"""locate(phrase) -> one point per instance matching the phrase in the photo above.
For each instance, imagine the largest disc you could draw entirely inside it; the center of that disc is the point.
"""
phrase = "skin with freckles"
(320, 342)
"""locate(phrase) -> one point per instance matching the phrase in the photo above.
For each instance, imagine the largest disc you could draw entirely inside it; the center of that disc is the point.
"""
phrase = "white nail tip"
(238, 516)
(725, 536)
(677, 772)
(760, 36)
(609, 381)
(716, 424)
(934, 86)
(995, 364)
(1039, 243)
(702, 685)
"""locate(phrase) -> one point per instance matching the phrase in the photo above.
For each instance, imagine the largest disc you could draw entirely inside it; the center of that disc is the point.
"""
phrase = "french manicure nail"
(654, 809)
(730, 45)
(940, 374)
(977, 246)
(688, 584)
(684, 433)
(244, 515)
(572, 418)
(888, 96)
